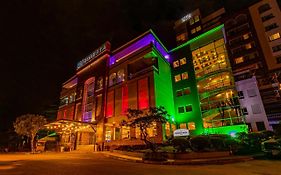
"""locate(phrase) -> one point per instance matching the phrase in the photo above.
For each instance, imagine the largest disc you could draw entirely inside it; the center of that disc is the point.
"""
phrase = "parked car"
(272, 147)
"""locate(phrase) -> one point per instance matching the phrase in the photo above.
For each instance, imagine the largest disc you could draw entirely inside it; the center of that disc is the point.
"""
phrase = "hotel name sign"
(186, 17)
(103, 48)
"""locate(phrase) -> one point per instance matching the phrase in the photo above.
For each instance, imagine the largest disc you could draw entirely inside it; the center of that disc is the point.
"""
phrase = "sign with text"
(181, 132)
(94, 54)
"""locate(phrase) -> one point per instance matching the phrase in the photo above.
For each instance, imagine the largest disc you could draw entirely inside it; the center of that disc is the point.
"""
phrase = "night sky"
(42, 40)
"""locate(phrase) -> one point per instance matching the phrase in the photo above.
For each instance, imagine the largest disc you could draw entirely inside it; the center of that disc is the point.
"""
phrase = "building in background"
(266, 17)
(195, 23)
(248, 65)
(252, 105)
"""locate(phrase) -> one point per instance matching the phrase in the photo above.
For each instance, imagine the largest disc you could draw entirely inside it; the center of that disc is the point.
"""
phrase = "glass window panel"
(178, 78)
(183, 61)
(184, 76)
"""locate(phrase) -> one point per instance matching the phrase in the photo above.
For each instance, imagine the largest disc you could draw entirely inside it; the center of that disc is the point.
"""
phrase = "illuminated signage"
(101, 49)
(181, 132)
(186, 17)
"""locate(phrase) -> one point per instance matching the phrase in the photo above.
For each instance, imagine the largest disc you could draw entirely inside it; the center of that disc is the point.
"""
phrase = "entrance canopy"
(69, 126)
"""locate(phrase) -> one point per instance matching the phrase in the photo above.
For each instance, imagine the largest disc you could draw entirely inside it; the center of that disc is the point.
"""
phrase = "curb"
(187, 162)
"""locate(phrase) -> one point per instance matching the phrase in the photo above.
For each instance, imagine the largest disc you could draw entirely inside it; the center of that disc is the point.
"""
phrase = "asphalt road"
(98, 164)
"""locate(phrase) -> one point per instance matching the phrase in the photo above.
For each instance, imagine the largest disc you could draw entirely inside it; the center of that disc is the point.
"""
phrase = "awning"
(69, 126)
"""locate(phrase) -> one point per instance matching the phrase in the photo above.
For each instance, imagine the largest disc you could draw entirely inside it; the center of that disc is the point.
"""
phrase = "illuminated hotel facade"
(198, 92)
(194, 82)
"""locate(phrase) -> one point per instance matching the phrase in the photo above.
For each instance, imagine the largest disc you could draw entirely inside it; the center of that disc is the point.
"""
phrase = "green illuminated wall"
(191, 99)
(163, 86)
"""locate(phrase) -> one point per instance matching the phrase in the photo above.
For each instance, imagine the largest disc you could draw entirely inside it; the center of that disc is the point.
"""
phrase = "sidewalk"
(212, 161)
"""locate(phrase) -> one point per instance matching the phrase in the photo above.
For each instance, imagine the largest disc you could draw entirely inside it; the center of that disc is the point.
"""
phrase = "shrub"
(181, 144)
(200, 143)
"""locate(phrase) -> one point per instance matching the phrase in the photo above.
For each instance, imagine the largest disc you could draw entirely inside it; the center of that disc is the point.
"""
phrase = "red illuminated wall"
(125, 96)
(143, 95)
(110, 104)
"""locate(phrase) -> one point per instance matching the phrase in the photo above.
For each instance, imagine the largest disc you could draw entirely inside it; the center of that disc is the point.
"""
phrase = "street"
(99, 164)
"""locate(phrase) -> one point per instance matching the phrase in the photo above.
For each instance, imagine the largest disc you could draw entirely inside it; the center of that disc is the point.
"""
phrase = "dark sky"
(42, 40)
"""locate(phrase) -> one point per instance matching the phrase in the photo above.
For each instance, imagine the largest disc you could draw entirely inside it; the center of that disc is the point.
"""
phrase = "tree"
(28, 125)
(146, 119)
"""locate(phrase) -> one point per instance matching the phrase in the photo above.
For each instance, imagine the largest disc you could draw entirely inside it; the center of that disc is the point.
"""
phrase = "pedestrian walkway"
(223, 160)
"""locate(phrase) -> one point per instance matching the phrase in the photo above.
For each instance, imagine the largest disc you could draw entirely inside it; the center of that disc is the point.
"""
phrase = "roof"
(148, 37)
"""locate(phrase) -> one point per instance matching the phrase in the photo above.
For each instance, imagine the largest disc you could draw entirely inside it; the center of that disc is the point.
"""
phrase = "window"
(108, 134)
(183, 126)
(251, 56)
(196, 18)
(260, 126)
(267, 17)
(112, 79)
(198, 28)
(120, 76)
(246, 36)
(251, 92)
(270, 27)
(98, 105)
(138, 133)
(275, 36)
(99, 83)
(181, 110)
(178, 78)
(71, 98)
(117, 134)
(152, 131)
(191, 21)
(191, 126)
(256, 109)
(143, 94)
(188, 108)
(245, 111)
(167, 129)
(240, 95)
(264, 8)
(248, 46)
(88, 98)
(186, 91)
(182, 61)
(176, 64)
(278, 59)
(193, 31)
(181, 37)
(125, 132)
(110, 104)
(276, 48)
(64, 101)
(179, 93)
(184, 76)
(239, 60)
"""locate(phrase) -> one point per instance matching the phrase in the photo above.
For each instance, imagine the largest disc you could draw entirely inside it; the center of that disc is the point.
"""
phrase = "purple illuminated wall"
(146, 40)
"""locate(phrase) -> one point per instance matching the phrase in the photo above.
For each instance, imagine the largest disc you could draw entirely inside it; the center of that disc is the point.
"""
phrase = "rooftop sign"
(94, 54)
(186, 17)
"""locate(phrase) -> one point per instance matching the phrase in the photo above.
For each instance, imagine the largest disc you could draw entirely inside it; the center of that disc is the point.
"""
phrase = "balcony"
(142, 67)
(211, 70)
